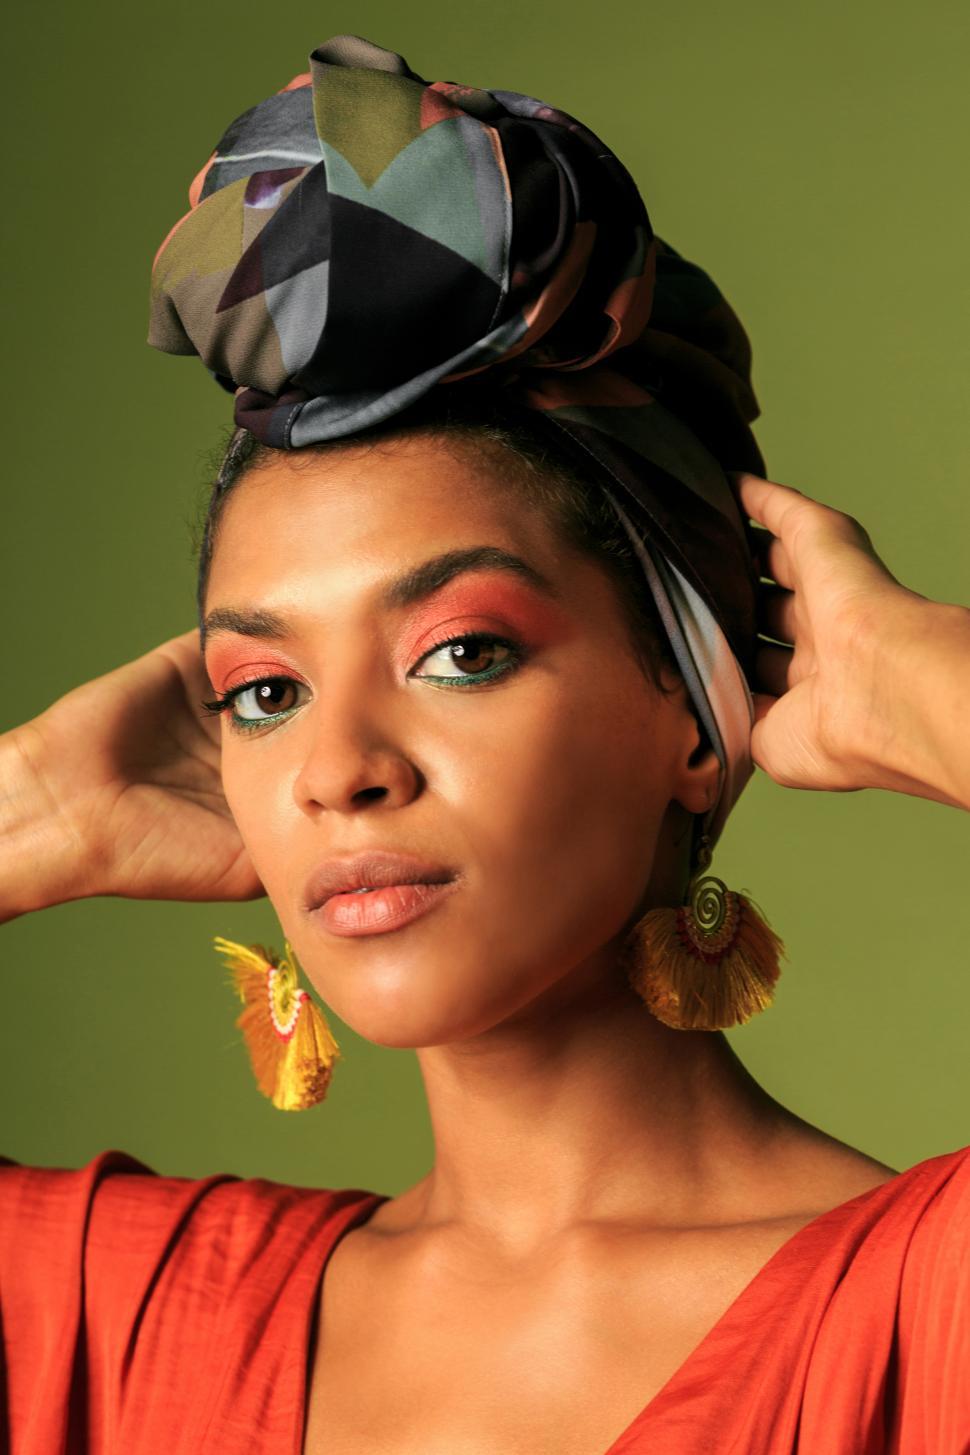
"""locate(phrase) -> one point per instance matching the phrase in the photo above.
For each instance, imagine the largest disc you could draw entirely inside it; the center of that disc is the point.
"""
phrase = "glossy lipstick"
(376, 892)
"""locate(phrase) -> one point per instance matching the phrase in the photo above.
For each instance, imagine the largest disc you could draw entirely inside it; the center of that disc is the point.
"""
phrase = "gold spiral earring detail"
(709, 963)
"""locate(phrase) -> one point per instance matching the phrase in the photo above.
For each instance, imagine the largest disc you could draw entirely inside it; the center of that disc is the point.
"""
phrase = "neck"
(585, 1107)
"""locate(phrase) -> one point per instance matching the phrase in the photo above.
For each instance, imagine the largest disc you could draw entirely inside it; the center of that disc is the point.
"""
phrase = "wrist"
(42, 858)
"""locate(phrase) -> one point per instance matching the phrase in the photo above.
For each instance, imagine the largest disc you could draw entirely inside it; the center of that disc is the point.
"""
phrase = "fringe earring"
(289, 1042)
(708, 964)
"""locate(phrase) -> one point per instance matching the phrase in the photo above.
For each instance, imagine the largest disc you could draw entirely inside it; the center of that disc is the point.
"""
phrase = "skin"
(587, 1157)
(554, 844)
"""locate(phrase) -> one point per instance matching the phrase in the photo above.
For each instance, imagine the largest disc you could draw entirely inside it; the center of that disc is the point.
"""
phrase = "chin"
(410, 1027)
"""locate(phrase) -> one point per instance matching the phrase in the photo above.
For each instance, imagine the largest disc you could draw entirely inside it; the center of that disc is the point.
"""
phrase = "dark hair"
(520, 455)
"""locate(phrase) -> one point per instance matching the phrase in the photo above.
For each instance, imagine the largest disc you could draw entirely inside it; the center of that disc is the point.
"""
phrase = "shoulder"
(933, 1307)
(938, 1250)
(931, 1198)
(118, 1220)
(864, 1315)
(932, 1191)
(115, 1193)
(857, 1264)
(130, 1285)
(905, 1253)
(901, 1216)
(220, 1228)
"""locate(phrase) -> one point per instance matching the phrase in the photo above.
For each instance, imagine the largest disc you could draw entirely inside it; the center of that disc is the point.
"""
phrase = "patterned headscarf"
(364, 236)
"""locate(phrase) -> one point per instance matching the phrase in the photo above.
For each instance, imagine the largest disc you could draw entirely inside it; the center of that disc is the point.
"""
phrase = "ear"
(698, 771)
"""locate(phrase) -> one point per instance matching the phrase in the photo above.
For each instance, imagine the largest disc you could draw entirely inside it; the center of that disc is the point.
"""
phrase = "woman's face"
(530, 763)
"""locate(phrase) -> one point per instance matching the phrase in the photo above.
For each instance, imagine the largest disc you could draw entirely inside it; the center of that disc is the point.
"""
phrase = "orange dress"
(147, 1315)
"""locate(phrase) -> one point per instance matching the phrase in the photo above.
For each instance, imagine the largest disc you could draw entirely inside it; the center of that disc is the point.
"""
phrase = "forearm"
(925, 750)
(41, 860)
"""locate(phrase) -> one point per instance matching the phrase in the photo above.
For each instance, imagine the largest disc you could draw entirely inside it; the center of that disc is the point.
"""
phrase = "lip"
(403, 888)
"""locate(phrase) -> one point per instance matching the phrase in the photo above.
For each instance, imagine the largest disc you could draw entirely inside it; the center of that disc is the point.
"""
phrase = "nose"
(354, 762)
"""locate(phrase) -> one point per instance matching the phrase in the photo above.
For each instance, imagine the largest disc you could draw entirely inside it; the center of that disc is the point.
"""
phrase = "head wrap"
(364, 236)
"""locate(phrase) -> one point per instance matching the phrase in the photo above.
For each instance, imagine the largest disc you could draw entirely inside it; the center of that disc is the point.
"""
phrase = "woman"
(469, 751)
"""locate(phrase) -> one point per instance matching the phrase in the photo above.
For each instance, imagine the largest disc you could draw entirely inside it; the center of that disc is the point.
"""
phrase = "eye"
(257, 702)
(264, 699)
(470, 659)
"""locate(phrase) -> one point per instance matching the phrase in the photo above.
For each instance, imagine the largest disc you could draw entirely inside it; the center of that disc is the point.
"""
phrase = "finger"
(773, 668)
(771, 557)
(183, 651)
(766, 501)
(776, 614)
(804, 525)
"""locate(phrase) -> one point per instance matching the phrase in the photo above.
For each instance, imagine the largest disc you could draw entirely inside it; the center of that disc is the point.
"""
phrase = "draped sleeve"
(137, 1310)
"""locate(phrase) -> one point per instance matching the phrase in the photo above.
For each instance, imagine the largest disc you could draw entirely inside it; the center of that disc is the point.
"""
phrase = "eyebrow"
(415, 585)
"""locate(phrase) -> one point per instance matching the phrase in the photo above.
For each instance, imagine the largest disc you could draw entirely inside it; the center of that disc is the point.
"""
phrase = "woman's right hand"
(116, 789)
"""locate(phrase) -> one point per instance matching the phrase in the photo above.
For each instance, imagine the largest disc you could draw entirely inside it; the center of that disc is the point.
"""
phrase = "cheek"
(558, 839)
(563, 829)
(257, 789)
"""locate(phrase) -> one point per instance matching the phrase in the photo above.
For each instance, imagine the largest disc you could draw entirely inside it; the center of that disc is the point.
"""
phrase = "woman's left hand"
(870, 685)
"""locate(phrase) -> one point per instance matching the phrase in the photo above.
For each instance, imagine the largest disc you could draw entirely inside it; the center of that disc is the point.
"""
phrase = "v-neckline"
(368, 1206)
(737, 1310)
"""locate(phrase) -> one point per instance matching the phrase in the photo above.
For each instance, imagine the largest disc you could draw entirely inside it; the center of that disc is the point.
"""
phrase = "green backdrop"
(811, 157)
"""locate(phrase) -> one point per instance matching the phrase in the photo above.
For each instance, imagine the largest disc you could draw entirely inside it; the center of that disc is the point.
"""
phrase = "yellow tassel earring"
(708, 964)
(289, 1042)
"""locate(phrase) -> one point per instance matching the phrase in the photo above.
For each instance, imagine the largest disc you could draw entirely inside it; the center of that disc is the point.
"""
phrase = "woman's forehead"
(396, 503)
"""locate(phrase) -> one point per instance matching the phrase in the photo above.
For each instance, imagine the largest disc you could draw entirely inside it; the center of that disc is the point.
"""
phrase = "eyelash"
(515, 659)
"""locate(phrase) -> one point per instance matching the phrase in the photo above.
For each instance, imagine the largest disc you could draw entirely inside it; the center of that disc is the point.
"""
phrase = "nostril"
(371, 793)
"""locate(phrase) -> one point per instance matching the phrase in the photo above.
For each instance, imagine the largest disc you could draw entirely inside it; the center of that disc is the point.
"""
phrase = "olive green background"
(813, 159)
